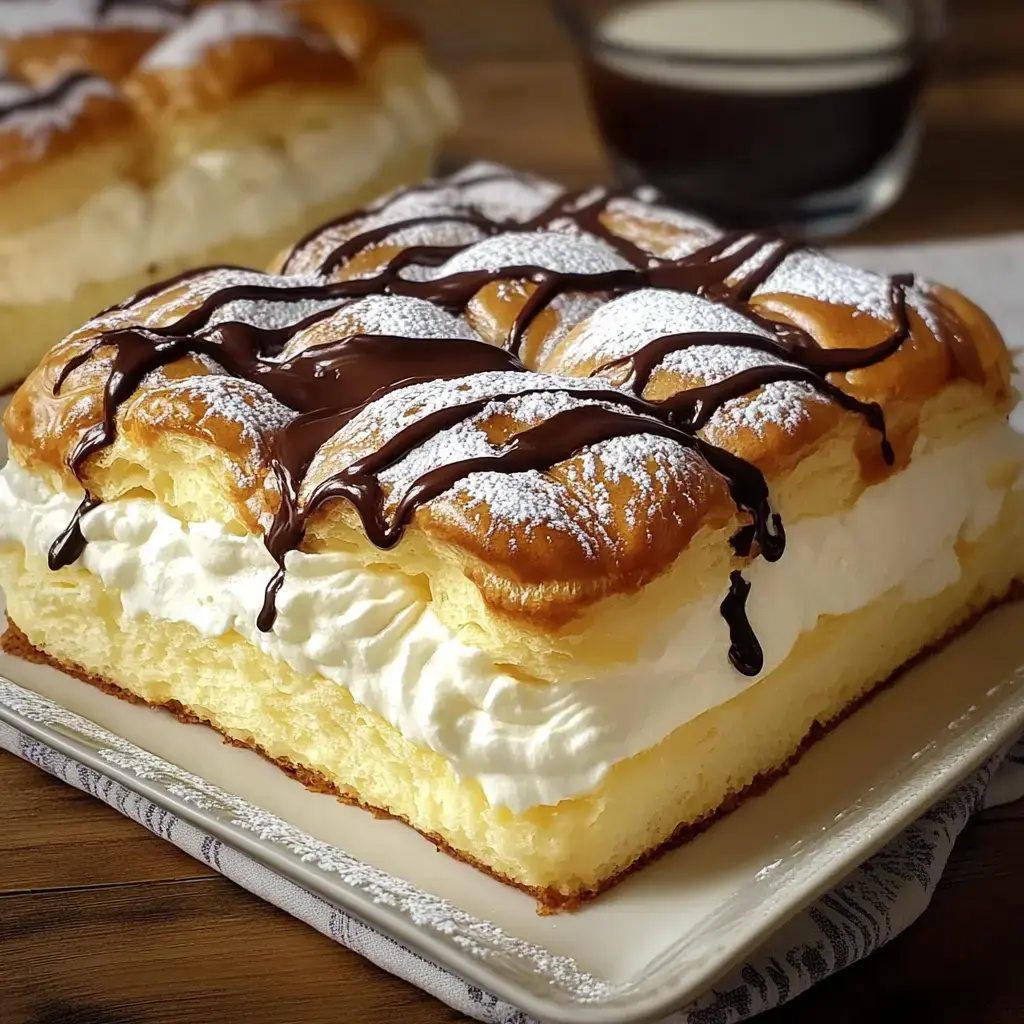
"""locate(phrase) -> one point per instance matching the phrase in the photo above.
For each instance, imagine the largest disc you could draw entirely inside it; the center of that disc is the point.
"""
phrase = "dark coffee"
(750, 142)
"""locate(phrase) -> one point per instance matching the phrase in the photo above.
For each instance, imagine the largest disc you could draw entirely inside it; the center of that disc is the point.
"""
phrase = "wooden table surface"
(103, 923)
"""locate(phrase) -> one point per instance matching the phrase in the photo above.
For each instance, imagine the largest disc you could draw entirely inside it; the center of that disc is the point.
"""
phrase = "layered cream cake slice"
(142, 137)
(551, 523)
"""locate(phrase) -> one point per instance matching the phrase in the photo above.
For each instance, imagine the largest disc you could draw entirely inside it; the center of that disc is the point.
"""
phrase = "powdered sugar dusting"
(222, 23)
(20, 18)
(815, 275)
(503, 193)
(393, 412)
(574, 501)
(58, 109)
(404, 317)
(509, 199)
(524, 501)
(316, 250)
(485, 191)
(562, 253)
(648, 465)
(26, 17)
(390, 413)
(382, 315)
(635, 207)
(497, 192)
(264, 312)
(271, 314)
(255, 410)
(198, 287)
(214, 399)
(143, 14)
(784, 404)
(11, 90)
(180, 297)
(550, 508)
(623, 326)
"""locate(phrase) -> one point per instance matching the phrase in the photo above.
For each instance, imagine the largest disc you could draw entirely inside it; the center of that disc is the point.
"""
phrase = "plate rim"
(992, 728)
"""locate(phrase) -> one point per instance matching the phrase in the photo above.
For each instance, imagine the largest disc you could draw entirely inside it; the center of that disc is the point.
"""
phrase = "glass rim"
(923, 37)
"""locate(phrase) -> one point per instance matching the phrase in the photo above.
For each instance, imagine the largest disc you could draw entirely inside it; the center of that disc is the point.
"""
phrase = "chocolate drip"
(539, 447)
(70, 543)
(52, 96)
(694, 407)
(329, 384)
(166, 6)
(167, 284)
(585, 212)
(749, 491)
(744, 291)
(704, 272)
(584, 208)
(744, 649)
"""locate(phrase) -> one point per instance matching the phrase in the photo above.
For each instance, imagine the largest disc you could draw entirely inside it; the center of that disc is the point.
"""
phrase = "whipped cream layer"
(212, 198)
(375, 632)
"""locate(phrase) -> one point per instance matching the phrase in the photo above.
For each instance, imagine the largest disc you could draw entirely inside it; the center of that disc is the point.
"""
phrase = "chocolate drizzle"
(52, 96)
(68, 547)
(744, 648)
(178, 7)
(691, 409)
(158, 287)
(329, 384)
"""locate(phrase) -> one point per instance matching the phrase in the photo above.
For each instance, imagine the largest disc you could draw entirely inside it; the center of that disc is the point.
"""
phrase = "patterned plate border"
(549, 986)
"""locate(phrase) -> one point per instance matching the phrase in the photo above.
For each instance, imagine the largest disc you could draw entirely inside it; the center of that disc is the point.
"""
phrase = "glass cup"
(797, 114)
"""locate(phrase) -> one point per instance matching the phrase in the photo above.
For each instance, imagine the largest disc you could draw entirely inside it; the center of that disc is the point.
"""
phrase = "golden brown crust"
(49, 123)
(238, 445)
(112, 54)
(360, 30)
(549, 900)
(235, 67)
(47, 46)
(538, 552)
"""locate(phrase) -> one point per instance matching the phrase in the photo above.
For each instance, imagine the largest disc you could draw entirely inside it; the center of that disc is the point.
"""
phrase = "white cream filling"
(216, 196)
(527, 744)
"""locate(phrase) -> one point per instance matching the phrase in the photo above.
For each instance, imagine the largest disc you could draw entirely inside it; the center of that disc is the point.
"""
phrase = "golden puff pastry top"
(391, 293)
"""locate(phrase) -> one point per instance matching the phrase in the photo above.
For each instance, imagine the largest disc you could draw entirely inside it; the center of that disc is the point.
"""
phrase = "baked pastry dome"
(141, 137)
(551, 523)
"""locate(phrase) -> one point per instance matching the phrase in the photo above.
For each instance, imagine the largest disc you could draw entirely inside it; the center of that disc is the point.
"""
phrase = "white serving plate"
(655, 942)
